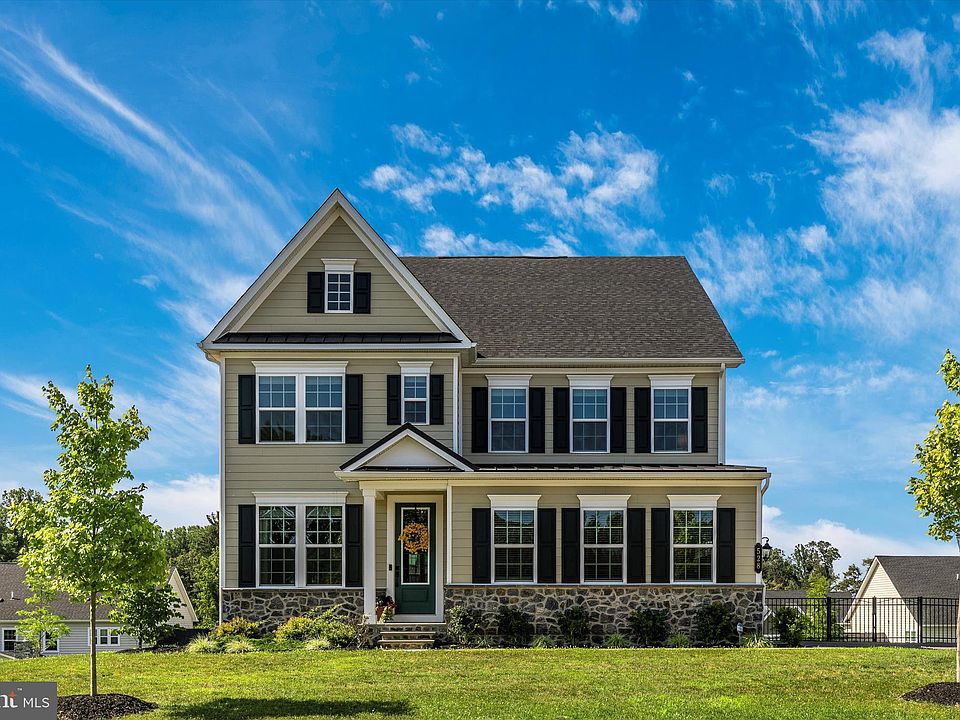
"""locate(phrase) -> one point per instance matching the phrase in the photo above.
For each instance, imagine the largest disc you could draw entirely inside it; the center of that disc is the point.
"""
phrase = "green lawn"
(687, 684)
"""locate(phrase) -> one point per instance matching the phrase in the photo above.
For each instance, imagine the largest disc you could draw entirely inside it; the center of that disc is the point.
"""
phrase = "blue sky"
(153, 158)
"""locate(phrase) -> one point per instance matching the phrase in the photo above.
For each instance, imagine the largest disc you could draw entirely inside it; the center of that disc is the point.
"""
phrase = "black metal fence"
(917, 620)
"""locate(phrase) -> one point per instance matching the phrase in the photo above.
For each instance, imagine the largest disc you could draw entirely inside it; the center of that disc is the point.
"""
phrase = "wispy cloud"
(624, 12)
(604, 182)
(419, 43)
(183, 501)
(415, 137)
(441, 240)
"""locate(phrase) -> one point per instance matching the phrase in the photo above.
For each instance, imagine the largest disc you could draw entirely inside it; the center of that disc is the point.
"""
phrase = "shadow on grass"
(265, 708)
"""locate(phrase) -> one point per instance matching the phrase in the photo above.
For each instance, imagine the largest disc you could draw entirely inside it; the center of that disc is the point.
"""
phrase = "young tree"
(193, 550)
(90, 538)
(11, 540)
(144, 612)
(39, 624)
(937, 489)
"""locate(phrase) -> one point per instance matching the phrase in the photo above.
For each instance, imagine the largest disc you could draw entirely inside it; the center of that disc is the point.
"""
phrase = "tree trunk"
(93, 644)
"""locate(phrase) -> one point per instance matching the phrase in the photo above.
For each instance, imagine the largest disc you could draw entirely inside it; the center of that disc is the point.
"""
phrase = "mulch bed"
(943, 693)
(101, 707)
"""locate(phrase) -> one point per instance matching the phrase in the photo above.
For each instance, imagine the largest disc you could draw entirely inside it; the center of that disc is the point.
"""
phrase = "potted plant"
(385, 608)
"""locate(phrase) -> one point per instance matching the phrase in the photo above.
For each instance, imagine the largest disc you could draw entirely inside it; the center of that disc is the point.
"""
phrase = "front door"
(415, 573)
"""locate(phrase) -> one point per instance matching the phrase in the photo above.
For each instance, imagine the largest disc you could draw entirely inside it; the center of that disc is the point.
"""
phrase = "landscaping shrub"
(238, 627)
(203, 644)
(616, 641)
(755, 640)
(298, 628)
(543, 642)
(791, 626)
(464, 625)
(513, 625)
(317, 644)
(650, 627)
(325, 624)
(574, 625)
(715, 624)
(678, 640)
(240, 645)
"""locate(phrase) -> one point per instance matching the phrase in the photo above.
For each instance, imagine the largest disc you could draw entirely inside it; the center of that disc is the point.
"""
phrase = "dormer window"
(339, 286)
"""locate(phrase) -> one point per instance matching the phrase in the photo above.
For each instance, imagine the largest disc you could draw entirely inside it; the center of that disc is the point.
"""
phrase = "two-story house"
(541, 431)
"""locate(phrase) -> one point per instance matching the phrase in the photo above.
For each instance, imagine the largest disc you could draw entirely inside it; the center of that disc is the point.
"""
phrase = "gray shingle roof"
(581, 307)
(923, 575)
(14, 591)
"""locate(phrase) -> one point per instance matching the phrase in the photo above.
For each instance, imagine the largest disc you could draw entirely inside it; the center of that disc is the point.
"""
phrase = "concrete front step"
(409, 636)
(400, 644)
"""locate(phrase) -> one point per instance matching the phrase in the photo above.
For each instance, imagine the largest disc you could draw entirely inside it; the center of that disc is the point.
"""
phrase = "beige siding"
(391, 308)
(309, 467)
(627, 380)
(466, 498)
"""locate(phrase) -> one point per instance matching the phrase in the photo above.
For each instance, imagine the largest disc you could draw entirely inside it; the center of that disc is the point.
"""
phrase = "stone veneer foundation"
(607, 605)
(274, 607)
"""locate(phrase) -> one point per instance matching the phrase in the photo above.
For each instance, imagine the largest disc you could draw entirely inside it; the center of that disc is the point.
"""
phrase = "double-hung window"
(590, 414)
(603, 545)
(50, 645)
(415, 408)
(277, 541)
(300, 403)
(338, 283)
(108, 636)
(693, 535)
(277, 408)
(324, 544)
(508, 419)
(514, 519)
(324, 412)
(671, 413)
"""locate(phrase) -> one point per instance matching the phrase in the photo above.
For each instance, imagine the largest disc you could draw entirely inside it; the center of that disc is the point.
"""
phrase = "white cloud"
(603, 182)
(720, 184)
(626, 13)
(419, 43)
(854, 544)
(149, 281)
(182, 502)
(909, 51)
(412, 77)
(414, 136)
(442, 240)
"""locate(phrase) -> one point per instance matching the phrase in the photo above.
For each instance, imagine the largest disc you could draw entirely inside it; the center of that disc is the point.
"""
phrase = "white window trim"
(414, 369)
(671, 382)
(509, 382)
(300, 501)
(337, 266)
(108, 628)
(622, 546)
(589, 382)
(518, 503)
(299, 371)
(43, 644)
(695, 502)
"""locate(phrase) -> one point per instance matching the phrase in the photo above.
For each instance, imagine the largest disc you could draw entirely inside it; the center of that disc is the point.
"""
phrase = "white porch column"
(370, 555)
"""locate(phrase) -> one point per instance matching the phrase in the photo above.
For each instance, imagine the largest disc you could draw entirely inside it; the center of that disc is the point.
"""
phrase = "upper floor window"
(415, 399)
(277, 408)
(591, 426)
(324, 408)
(339, 292)
(671, 418)
(508, 419)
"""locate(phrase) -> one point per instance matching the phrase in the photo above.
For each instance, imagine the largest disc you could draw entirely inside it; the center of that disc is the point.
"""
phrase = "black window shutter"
(641, 419)
(354, 546)
(570, 545)
(726, 545)
(698, 406)
(246, 404)
(478, 432)
(315, 293)
(636, 545)
(547, 545)
(354, 408)
(660, 545)
(436, 399)
(618, 420)
(361, 292)
(538, 421)
(481, 545)
(247, 546)
(561, 420)
(393, 399)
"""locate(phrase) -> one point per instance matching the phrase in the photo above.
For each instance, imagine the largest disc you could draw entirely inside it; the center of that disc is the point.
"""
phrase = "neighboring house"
(556, 425)
(14, 592)
(907, 598)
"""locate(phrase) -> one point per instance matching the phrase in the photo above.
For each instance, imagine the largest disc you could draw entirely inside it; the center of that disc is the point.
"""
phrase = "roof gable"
(276, 301)
(922, 575)
(408, 448)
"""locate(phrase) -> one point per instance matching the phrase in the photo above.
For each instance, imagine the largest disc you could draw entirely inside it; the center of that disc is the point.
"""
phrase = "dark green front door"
(415, 574)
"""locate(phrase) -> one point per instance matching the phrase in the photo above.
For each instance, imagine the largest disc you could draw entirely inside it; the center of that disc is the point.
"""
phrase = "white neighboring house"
(888, 605)
(13, 595)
